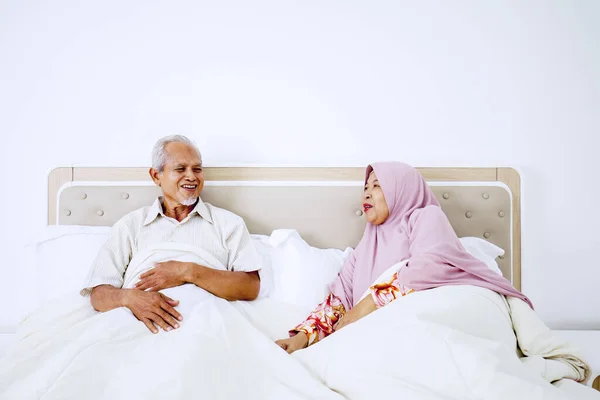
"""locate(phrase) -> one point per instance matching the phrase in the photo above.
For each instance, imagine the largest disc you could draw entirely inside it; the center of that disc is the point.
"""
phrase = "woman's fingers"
(282, 344)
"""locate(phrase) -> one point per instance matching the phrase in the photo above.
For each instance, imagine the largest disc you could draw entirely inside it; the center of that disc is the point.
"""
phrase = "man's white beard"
(189, 202)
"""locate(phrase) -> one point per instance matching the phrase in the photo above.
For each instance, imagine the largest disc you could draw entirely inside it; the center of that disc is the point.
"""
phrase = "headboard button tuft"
(468, 214)
(67, 212)
(486, 235)
(125, 195)
(83, 196)
(501, 214)
(446, 195)
(485, 196)
(359, 213)
(99, 213)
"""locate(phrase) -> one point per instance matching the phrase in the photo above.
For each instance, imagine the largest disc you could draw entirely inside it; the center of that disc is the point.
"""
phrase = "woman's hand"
(296, 342)
(365, 307)
(164, 275)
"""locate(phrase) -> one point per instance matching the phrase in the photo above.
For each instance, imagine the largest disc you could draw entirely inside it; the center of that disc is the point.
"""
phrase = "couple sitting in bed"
(405, 222)
(218, 349)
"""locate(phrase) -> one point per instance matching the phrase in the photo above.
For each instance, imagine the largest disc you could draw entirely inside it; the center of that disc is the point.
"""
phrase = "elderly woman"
(404, 222)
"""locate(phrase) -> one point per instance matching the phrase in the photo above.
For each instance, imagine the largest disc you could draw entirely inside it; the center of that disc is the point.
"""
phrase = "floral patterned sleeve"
(386, 292)
(320, 322)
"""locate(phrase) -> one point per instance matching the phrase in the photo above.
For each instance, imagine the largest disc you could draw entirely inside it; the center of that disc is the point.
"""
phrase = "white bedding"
(66, 350)
(447, 343)
(453, 342)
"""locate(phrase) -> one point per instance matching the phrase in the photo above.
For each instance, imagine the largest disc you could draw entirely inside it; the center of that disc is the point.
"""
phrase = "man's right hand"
(296, 342)
(153, 308)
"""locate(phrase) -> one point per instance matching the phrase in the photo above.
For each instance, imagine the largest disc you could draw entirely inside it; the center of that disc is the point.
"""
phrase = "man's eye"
(197, 169)
(179, 169)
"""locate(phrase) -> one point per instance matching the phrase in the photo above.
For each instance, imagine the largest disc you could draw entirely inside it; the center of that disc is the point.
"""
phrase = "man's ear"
(155, 175)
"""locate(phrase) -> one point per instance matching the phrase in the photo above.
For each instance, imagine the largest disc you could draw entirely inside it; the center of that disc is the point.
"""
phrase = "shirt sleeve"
(112, 260)
(242, 254)
(320, 322)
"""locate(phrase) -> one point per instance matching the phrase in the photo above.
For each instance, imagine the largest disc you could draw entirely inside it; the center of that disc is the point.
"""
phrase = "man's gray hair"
(159, 154)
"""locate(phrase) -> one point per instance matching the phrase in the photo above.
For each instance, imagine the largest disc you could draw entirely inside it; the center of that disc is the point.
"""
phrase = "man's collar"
(156, 209)
(202, 210)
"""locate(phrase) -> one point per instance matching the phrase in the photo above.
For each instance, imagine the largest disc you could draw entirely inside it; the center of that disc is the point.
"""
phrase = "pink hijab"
(416, 229)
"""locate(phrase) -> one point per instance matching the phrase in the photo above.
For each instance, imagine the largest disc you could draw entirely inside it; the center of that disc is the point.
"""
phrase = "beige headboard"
(323, 204)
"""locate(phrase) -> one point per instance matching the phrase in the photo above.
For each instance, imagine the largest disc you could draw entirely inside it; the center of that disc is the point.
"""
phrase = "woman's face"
(374, 204)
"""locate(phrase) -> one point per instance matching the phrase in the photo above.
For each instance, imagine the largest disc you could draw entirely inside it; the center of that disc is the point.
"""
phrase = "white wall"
(434, 83)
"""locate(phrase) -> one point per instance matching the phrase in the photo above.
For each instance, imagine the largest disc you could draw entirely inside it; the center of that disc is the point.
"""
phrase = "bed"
(481, 203)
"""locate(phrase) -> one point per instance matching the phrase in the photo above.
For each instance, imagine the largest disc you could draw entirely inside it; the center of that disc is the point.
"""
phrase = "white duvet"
(66, 350)
(452, 342)
(447, 343)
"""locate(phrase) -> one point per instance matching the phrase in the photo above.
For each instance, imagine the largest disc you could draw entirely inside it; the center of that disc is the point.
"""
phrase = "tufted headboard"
(323, 204)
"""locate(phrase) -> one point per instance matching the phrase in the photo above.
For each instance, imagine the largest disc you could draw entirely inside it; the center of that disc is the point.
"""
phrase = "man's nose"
(189, 174)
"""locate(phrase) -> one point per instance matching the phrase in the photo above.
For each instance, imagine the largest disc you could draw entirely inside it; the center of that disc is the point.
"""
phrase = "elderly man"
(179, 215)
(178, 247)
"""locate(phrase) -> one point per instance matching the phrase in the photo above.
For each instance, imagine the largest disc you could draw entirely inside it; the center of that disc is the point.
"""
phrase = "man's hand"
(153, 308)
(296, 342)
(365, 307)
(164, 275)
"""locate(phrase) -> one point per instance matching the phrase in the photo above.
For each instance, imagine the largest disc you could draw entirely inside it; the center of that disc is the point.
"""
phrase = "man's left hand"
(164, 275)
(365, 307)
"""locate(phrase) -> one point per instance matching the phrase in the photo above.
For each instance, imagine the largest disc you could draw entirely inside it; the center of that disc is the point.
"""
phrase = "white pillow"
(262, 244)
(301, 273)
(483, 251)
(63, 258)
(293, 271)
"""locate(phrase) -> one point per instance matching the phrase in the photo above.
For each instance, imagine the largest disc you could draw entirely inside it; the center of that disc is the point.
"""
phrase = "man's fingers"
(168, 318)
(155, 285)
(168, 308)
(147, 284)
(149, 325)
(158, 320)
(146, 274)
(142, 285)
(170, 300)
